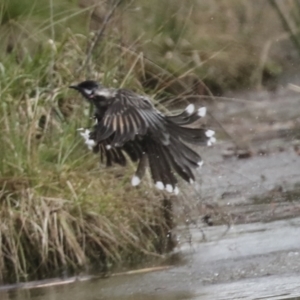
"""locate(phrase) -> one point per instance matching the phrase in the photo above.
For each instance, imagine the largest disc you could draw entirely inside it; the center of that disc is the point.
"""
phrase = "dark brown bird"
(128, 122)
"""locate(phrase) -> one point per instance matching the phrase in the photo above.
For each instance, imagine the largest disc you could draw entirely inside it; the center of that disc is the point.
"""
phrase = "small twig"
(99, 35)
(52, 44)
(293, 87)
(142, 271)
(58, 282)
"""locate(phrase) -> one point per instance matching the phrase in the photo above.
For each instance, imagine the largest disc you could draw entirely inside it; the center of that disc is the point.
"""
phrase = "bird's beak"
(75, 87)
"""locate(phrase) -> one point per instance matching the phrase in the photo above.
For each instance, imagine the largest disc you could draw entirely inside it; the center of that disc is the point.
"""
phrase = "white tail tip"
(135, 180)
(169, 188)
(209, 133)
(200, 163)
(159, 185)
(202, 112)
(176, 191)
(211, 141)
(108, 147)
(190, 109)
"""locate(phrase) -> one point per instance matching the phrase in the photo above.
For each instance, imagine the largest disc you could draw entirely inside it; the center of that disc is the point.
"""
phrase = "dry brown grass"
(94, 225)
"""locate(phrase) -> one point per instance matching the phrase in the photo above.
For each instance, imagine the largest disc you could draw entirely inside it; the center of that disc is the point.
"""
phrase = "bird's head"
(87, 88)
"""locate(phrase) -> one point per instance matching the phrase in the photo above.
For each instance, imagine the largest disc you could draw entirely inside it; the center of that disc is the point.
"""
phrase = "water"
(251, 261)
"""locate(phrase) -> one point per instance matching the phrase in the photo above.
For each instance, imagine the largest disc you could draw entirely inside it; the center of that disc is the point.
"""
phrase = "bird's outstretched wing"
(129, 115)
(127, 122)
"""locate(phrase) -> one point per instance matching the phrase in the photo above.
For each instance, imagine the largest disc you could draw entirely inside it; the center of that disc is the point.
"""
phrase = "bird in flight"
(127, 122)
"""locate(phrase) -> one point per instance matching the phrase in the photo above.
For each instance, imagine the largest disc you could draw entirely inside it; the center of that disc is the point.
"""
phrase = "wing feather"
(128, 115)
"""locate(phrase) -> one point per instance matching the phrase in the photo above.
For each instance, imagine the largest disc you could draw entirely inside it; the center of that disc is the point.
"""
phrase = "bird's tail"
(188, 116)
(198, 136)
(160, 166)
(172, 156)
(166, 160)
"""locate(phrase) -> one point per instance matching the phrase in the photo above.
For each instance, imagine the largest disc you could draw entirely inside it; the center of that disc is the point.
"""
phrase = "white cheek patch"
(88, 92)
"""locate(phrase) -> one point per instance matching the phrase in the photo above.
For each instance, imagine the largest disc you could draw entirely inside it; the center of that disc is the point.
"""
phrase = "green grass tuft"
(60, 211)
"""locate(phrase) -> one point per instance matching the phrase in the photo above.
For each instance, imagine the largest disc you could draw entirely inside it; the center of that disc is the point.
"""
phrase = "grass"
(61, 212)
(203, 48)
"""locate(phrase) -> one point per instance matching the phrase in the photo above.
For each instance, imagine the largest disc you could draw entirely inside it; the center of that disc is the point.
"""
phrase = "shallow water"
(251, 261)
